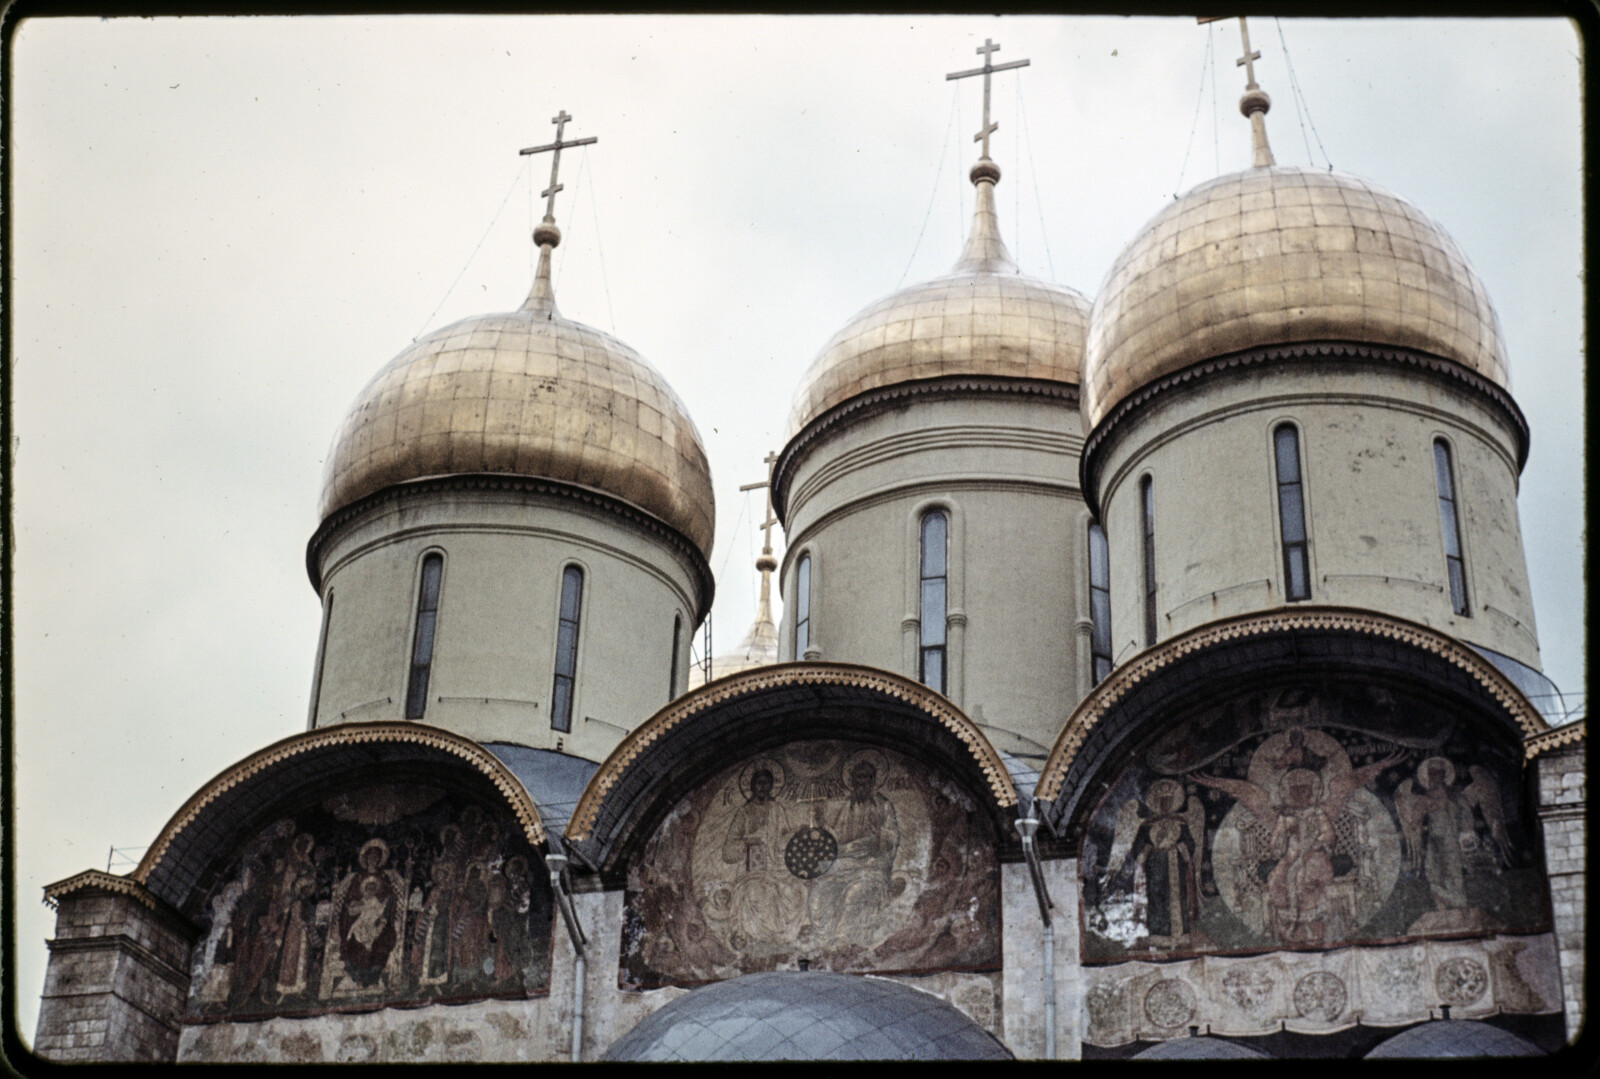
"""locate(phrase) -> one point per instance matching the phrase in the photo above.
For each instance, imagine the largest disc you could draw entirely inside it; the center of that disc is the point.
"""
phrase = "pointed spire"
(762, 639)
(985, 251)
(1255, 102)
(542, 297)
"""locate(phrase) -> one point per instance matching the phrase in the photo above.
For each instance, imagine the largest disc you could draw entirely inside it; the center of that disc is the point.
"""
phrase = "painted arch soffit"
(865, 685)
(240, 783)
(1106, 697)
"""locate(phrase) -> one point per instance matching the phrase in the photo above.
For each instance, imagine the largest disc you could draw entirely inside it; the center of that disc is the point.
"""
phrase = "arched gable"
(203, 826)
(1299, 782)
(690, 739)
(1208, 658)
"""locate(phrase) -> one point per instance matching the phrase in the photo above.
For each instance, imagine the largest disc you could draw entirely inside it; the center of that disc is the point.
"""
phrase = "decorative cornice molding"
(877, 400)
(349, 734)
(1104, 697)
(492, 481)
(781, 676)
(95, 879)
(1094, 445)
(1565, 735)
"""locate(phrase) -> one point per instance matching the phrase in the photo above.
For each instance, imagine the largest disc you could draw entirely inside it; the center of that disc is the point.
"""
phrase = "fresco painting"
(393, 894)
(838, 855)
(1293, 819)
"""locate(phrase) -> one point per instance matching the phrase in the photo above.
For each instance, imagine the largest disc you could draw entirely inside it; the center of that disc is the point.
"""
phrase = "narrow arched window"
(322, 657)
(1450, 525)
(935, 532)
(1292, 513)
(1147, 523)
(1099, 603)
(566, 648)
(802, 606)
(677, 640)
(422, 637)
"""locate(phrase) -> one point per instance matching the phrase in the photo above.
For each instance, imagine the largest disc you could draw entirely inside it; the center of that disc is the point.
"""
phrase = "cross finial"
(766, 563)
(1248, 60)
(549, 193)
(770, 460)
(1255, 102)
(987, 51)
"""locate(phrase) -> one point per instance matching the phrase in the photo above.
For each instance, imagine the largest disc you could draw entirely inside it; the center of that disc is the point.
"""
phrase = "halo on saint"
(748, 773)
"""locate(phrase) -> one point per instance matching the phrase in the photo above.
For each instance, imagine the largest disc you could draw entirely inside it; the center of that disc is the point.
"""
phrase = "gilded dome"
(526, 393)
(1276, 255)
(983, 318)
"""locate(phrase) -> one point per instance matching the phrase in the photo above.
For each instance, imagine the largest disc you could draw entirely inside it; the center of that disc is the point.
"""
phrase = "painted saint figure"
(765, 901)
(1439, 828)
(854, 892)
(1164, 844)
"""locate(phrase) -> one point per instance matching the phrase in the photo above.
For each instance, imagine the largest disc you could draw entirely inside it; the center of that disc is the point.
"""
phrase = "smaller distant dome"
(807, 1015)
(1276, 255)
(983, 318)
(526, 393)
(758, 648)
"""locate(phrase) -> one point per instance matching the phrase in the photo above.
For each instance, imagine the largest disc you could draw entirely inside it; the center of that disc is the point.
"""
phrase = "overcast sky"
(223, 227)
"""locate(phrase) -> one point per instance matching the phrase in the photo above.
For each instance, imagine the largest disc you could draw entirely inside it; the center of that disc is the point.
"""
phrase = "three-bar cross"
(986, 50)
(549, 193)
(770, 460)
(1248, 60)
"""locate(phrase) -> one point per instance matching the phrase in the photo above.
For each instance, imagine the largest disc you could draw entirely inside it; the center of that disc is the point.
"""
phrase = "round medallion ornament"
(1460, 980)
(1320, 996)
(1169, 1003)
(810, 852)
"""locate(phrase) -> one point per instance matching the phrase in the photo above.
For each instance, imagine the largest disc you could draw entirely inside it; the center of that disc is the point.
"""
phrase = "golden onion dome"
(983, 318)
(527, 393)
(1277, 255)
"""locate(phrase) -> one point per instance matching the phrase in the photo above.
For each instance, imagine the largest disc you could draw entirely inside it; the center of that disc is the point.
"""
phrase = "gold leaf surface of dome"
(1278, 255)
(526, 393)
(985, 318)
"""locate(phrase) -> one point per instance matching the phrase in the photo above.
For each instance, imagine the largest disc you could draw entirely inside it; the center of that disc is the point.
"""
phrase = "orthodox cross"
(986, 50)
(770, 460)
(549, 193)
(1248, 60)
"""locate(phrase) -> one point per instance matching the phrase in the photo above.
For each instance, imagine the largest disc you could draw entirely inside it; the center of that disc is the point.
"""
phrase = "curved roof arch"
(1285, 639)
(211, 817)
(687, 741)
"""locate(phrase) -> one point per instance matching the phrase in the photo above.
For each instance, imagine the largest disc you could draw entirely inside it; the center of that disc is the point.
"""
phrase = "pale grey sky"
(223, 227)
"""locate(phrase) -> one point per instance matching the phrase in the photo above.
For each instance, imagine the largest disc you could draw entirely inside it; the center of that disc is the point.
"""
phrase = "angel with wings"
(1164, 841)
(1300, 823)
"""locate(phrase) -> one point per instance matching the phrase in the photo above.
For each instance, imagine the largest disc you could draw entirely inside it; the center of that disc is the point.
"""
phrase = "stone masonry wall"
(116, 981)
(1561, 813)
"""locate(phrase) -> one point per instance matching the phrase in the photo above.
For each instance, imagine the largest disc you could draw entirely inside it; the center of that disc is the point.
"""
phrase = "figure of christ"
(853, 894)
(1302, 838)
(766, 900)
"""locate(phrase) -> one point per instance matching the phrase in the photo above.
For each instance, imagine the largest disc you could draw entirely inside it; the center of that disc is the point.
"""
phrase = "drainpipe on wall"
(556, 862)
(1026, 827)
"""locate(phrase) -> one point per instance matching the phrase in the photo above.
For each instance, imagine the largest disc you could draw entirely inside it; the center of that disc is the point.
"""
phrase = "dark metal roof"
(1455, 1038)
(1199, 1048)
(807, 1015)
(554, 780)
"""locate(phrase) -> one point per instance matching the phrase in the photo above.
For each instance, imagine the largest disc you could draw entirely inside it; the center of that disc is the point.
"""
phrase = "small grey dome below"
(1201, 1048)
(1457, 1038)
(807, 1015)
